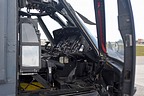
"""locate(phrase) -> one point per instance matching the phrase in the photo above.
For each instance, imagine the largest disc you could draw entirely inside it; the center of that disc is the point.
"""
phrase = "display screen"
(30, 56)
(28, 33)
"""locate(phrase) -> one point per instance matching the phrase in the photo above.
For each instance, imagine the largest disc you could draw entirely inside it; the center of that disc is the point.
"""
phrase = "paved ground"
(139, 79)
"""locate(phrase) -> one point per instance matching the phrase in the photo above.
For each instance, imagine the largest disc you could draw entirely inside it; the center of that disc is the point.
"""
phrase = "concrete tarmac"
(139, 77)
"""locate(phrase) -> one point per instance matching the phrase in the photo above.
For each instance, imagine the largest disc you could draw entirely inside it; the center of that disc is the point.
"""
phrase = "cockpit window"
(115, 46)
(86, 10)
(51, 24)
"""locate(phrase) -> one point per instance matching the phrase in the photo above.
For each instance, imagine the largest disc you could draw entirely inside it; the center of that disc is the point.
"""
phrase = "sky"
(138, 10)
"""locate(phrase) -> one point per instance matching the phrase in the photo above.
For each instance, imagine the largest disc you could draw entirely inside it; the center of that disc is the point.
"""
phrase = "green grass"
(140, 50)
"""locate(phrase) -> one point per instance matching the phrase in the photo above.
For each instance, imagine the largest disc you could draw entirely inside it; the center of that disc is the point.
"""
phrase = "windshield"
(87, 10)
(115, 46)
